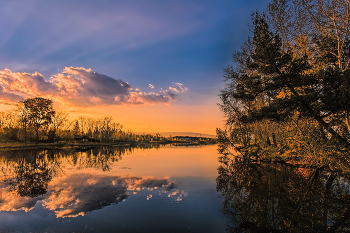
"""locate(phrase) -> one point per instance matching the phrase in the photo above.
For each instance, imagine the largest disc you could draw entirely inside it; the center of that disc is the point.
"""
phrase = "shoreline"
(60, 145)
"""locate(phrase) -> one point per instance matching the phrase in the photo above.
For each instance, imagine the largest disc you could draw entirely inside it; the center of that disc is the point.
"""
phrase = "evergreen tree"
(270, 83)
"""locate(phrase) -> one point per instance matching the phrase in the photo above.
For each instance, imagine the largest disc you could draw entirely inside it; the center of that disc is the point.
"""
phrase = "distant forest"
(34, 119)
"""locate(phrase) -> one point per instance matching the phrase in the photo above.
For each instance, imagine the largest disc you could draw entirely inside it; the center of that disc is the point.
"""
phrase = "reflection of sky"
(187, 198)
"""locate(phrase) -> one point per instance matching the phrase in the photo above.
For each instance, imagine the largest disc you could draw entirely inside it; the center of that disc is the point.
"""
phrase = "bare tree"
(59, 120)
(23, 115)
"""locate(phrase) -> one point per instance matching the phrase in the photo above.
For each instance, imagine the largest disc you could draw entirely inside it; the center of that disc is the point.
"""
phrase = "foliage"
(288, 93)
(36, 120)
(39, 113)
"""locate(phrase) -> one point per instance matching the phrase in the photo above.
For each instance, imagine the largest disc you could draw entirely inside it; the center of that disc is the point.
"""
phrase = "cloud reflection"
(79, 193)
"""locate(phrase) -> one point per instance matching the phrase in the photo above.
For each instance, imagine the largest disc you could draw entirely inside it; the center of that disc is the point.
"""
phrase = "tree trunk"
(319, 119)
(25, 133)
(347, 121)
(37, 134)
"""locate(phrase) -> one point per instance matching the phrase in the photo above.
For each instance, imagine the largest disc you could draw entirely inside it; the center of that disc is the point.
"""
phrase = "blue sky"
(162, 43)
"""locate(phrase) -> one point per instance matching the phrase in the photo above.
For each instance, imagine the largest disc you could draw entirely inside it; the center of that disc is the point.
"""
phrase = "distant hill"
(191, 134)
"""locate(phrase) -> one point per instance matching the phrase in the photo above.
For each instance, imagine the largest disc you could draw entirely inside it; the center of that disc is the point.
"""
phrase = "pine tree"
(275, 84)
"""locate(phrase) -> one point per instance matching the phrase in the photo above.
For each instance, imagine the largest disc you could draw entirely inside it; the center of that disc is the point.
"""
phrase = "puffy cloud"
(9, 97)
(20, 85)
(84, 87)
(78, 86)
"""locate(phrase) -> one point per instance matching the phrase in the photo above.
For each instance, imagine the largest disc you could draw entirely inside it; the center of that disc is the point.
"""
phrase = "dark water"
(168, 189)
(274, 197)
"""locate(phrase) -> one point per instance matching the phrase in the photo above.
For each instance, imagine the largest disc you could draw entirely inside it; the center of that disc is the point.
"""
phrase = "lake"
(166, 189)
(111, 189)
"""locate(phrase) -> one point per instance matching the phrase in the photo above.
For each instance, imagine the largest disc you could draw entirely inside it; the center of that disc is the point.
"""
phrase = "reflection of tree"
(281, 198)
(102, 157)
(99, 158)
(30, 179)
(29, 172)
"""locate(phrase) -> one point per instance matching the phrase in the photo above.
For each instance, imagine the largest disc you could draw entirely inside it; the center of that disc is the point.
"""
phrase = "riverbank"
(60, 145)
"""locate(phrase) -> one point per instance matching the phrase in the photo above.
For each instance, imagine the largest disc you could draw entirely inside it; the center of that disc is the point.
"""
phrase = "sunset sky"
(155, 66)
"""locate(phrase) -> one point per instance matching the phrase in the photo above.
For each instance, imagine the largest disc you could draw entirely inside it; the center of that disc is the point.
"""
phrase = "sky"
(154, 66)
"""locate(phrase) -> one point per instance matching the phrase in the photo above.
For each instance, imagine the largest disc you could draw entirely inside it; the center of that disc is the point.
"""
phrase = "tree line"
(35, 120)
(289, 90)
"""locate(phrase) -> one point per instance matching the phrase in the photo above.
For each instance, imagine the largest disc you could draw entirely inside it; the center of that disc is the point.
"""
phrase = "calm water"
(167, 189)
(275, 197)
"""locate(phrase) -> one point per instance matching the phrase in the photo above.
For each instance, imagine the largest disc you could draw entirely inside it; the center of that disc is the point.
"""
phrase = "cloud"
(20, 85)
(84, 87)
(170, 95)
(9, 97)
(143, 98)
(178, 88)
(78, 86)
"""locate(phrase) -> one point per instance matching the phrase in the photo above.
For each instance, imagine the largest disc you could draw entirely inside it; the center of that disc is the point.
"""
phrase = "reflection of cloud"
(80, 193)
(177, 195)
(11, 201)
(170, 186)
(77, 86)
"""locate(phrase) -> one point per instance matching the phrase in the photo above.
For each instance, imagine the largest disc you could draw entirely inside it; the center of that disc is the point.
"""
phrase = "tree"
(76, 129)
(82, 124)
(271, 84)
(23, 119)
(58, 120)
(320, 29)
(40, 112)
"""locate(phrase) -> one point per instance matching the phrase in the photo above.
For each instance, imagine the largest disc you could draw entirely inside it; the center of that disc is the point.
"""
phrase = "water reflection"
(282, 198)
(29, 179)
(68, 182)
(78, 194)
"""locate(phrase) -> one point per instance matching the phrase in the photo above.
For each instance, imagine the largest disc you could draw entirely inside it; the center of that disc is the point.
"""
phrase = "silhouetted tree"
(40, 112)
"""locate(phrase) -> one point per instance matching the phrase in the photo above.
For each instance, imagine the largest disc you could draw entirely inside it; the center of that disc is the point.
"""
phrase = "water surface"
(111, 189)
